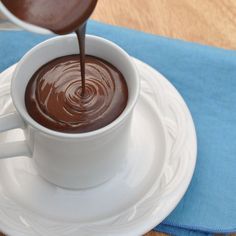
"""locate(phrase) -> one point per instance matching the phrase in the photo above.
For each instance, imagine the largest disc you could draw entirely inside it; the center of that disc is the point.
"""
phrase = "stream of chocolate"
(75, 93)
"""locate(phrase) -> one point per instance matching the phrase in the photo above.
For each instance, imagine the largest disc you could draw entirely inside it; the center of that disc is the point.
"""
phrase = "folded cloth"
(206, 78)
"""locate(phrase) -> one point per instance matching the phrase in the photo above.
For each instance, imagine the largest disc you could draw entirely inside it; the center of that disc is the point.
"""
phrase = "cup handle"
(13, 149)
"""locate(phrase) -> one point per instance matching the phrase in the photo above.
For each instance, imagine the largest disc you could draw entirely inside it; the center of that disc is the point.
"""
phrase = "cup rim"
(21, 23)
(118, 121)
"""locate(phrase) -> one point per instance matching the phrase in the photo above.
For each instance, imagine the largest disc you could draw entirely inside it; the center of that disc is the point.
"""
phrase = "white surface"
(93, 157)
(134, 201)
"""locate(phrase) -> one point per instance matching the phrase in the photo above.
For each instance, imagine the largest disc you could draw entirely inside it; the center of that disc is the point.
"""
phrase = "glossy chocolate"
(77, 93)
(54, 95)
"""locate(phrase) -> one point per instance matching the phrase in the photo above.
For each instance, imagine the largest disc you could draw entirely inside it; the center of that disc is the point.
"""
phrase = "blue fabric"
(206, 78)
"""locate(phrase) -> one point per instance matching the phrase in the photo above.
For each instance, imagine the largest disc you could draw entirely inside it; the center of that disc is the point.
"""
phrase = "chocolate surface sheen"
(54, 95)
(59, 16)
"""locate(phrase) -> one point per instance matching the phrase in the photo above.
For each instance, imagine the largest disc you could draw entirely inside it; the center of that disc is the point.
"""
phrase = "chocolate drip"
(76, 93)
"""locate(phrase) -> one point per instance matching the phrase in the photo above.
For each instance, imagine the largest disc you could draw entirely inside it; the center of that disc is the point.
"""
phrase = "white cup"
(21, 23)
(79, 160)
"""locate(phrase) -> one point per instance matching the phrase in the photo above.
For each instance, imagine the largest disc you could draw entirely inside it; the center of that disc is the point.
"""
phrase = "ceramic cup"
(71, 160)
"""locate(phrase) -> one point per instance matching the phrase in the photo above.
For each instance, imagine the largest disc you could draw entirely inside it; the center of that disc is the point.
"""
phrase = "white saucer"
(137, 199)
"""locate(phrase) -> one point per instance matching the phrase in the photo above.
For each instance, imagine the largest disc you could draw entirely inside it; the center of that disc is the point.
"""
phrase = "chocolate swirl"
(54, 95)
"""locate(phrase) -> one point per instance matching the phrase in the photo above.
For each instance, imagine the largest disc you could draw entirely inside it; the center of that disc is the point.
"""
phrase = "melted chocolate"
(59, 16)
(53, 96)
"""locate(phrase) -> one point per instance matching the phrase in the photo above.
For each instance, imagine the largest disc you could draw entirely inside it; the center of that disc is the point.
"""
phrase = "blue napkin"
(206, 78)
